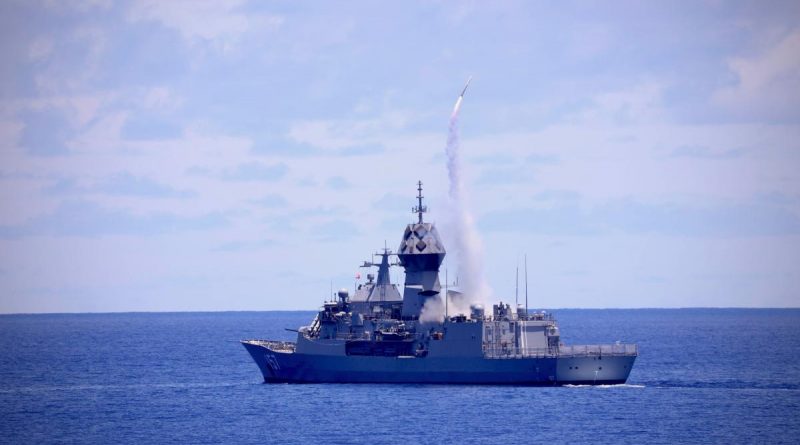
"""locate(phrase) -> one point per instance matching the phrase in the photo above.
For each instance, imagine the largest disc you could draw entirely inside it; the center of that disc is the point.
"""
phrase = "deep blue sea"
(703, 376)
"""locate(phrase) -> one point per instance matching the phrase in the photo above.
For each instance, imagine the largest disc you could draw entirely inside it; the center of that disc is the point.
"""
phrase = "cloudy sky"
(235, 155)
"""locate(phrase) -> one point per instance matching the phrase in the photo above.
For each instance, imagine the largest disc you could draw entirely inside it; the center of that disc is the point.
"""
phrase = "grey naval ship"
(377, 335)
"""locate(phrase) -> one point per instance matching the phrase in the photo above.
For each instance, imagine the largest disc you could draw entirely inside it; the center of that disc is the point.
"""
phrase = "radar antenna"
(384, 279)
(419, 209)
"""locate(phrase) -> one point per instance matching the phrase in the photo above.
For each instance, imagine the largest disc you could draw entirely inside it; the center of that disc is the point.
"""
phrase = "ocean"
(703, 376)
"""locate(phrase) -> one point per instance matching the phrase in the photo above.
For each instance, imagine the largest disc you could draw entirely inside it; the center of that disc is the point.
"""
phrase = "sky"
(249, 155)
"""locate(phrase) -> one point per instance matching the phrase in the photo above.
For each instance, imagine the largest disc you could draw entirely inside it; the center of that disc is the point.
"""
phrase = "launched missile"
(465, 86)
(460, 99)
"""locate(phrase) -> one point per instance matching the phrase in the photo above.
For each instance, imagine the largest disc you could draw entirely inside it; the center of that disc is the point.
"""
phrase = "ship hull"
(290, 367)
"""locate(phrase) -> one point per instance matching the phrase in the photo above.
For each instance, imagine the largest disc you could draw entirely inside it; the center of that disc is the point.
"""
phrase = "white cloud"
(768, 82)
(40, 49)
(244, 96)
(79, 108)
(89, 44)
(639, 103)
(740, 161)
(161, 98)
(10, 131)
(343, 133)
(219, 22)
(456, 13)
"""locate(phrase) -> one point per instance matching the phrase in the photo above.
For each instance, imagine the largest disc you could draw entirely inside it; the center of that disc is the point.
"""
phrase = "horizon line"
(315, 310)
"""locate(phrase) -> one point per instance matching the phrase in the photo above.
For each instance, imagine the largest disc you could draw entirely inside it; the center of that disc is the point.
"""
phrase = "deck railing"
(499, 351)
(492, 351)
(278, 346)
(621, 349)
(590, 350)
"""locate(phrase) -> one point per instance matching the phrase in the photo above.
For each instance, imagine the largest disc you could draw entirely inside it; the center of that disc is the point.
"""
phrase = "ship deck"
(274, 345)
(609, 350)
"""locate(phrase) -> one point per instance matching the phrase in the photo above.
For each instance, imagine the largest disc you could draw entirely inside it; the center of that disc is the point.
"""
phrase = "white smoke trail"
(468, 246)
(434, 308)
(432, 311)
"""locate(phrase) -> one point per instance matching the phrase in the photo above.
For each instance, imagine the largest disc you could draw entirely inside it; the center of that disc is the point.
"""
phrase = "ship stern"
(595, 365)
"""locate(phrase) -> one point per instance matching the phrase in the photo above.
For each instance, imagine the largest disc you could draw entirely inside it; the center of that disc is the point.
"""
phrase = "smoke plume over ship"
(468, 248)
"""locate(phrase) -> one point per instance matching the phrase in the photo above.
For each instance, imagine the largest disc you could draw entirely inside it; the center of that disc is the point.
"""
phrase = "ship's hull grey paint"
(277, 366)
(375, 337)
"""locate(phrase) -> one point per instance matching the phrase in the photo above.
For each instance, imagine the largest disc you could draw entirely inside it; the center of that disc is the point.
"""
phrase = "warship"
(378, 335)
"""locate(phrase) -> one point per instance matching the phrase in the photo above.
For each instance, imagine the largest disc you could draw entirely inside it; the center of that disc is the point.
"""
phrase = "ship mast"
(421, 253)
(516, 287)
(526, 285)
(419, 209)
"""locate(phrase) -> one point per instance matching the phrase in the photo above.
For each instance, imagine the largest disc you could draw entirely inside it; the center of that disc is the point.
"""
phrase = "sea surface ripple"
(703, 376)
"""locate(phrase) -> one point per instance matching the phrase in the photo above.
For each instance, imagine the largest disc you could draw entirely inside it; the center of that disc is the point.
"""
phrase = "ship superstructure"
(378, 335)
